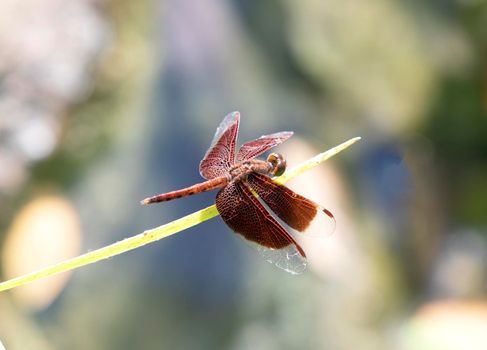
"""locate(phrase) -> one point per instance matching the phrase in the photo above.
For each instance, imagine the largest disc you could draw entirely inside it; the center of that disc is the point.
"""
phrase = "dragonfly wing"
(295, 210)
(245, 215)
(256, 147)
(221, 154)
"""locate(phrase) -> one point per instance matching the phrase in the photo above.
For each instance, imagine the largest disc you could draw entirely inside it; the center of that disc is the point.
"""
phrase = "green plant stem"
(159, 232)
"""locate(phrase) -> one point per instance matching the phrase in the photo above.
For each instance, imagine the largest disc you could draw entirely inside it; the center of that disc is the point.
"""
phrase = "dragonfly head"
(278, 164)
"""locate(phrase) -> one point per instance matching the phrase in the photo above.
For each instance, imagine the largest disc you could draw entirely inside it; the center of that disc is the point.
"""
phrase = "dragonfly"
(249, 195)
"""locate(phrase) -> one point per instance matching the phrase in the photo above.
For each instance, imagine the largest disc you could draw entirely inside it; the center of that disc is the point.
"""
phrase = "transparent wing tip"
(322, 225)
(288, 259)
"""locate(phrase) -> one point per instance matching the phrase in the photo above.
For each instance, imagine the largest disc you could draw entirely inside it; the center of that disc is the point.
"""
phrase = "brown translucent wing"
(245, 215)
(254, 148)
(295, 210)
(221, 154)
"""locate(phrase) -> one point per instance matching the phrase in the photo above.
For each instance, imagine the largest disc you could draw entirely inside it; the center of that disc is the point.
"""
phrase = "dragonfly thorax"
(275, 165)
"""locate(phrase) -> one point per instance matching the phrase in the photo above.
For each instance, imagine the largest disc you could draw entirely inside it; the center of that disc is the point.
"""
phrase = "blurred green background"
(103, 103)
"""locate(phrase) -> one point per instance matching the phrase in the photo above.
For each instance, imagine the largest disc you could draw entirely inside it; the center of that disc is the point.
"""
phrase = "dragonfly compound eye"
(278, 164)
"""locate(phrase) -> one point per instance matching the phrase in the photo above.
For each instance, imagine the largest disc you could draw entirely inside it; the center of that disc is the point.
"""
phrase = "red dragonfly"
(248, 192)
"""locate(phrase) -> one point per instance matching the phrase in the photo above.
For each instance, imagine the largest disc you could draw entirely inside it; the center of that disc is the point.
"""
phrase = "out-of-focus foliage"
(103, 103)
